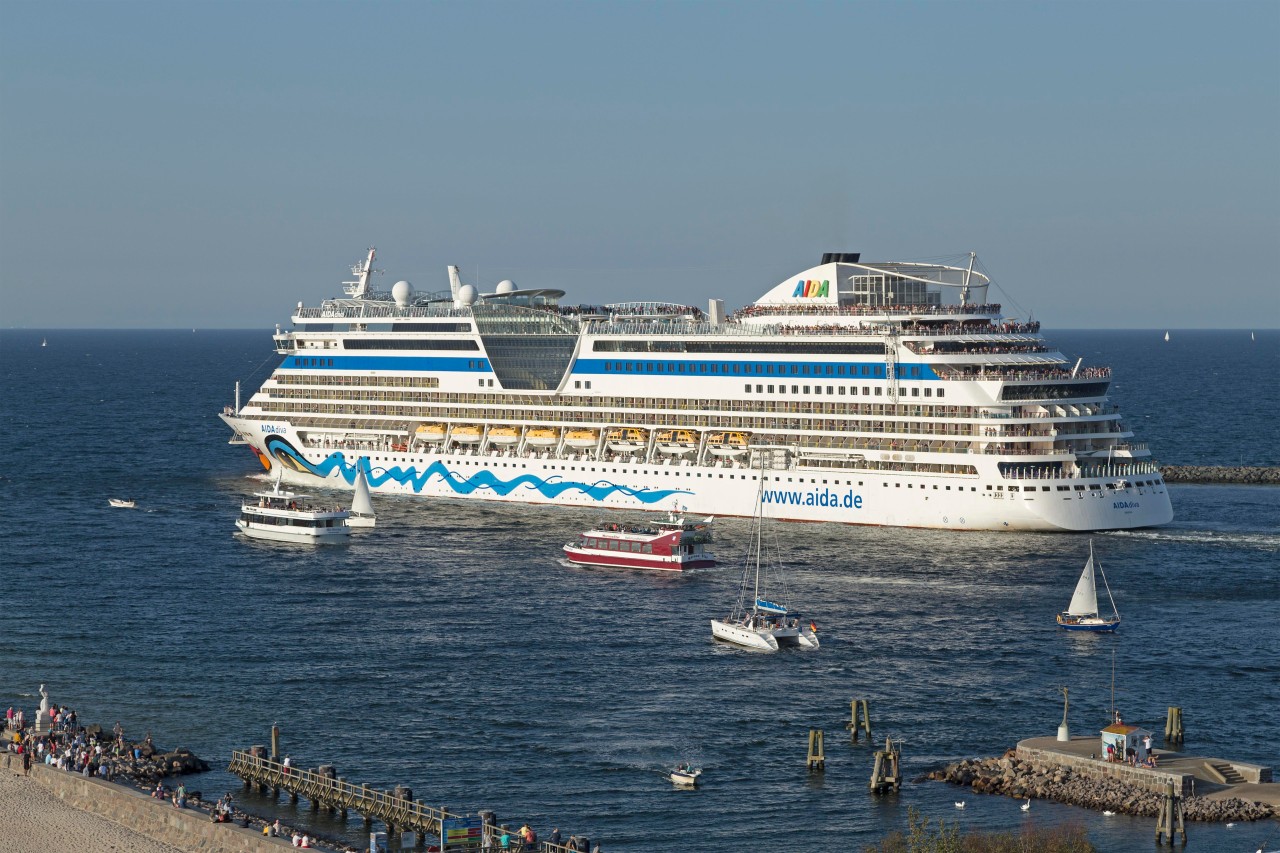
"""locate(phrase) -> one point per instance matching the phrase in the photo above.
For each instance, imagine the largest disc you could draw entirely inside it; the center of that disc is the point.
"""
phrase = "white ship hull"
(722, 489)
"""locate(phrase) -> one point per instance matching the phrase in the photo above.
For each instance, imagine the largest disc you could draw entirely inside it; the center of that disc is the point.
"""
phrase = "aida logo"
(809, 289)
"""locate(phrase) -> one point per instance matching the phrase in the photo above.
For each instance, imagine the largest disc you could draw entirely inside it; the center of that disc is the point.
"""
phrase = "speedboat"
(280, 515)
(685, 775)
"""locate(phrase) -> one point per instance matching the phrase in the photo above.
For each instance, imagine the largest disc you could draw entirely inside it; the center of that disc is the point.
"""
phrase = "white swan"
(1109, 814)
(960, 804)
(1026, 807)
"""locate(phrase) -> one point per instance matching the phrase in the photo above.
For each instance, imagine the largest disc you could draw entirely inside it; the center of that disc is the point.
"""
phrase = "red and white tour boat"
(673, 545)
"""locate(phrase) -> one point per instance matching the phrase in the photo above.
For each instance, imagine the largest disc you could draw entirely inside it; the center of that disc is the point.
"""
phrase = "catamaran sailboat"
(765, 624)
(1082, 613)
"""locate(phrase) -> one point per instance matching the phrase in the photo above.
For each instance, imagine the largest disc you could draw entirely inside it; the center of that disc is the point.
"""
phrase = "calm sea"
(452, 651)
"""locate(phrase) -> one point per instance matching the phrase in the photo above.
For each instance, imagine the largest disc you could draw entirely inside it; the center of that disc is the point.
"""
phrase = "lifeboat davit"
(627, 440)
(727, 443)
(543, 437)
(504, 435)
(677, 441)
(582, 437)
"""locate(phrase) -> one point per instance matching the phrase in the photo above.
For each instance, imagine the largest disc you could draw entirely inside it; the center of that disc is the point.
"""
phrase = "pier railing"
(400, 814)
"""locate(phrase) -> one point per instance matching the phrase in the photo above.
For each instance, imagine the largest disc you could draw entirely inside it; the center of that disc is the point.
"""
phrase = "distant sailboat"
(1252, 337)
(1166, 337)
(44, 342)
(362, 514)
(1082, 614)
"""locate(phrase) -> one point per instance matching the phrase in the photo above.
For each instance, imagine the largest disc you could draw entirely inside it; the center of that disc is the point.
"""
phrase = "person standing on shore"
(26, 762)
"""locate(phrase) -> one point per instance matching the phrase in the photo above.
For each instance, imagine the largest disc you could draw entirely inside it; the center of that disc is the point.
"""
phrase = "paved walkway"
(1171, 762)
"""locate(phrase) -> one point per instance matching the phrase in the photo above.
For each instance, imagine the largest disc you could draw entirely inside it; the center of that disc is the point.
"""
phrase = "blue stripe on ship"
(762, 370)
(480, 481)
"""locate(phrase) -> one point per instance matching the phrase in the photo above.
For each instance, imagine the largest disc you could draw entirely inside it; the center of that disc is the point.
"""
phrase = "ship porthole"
(944, 519)
(962, 519)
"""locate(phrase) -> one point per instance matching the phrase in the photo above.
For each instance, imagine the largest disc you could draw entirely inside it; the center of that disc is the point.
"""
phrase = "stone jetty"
(1023, 778)
(1247, 474)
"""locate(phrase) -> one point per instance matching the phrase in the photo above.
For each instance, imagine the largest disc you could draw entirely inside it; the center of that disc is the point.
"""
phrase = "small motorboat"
(685, 775)
(122, 503)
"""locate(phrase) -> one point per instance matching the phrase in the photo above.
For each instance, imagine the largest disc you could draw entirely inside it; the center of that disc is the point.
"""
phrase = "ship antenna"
(359, 288)
(964, 291)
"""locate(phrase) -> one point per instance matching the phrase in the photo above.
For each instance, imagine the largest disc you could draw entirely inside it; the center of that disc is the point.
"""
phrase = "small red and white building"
(673, 545)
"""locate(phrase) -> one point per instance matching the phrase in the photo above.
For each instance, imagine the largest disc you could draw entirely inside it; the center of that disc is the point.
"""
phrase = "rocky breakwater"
(1011, 776)
(1247, 474)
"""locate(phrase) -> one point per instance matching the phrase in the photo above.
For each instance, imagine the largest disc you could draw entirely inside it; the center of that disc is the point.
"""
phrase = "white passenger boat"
(880, 393)
(280, 515)
(122, 503)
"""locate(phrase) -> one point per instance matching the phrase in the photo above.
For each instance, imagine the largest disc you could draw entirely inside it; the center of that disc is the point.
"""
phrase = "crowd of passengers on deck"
(860, 310)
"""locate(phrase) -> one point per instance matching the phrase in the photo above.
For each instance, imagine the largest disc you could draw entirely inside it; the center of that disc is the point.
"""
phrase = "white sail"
(1084, 602)
(362, 514)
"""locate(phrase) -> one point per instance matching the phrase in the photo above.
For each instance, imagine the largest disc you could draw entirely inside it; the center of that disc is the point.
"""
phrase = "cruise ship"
(891, 393)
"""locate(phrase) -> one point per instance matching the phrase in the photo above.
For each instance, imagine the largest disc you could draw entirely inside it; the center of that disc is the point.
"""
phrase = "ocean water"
(451, 650)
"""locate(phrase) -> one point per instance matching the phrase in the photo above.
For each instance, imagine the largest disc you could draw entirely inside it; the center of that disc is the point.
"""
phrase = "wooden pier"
(396, 809)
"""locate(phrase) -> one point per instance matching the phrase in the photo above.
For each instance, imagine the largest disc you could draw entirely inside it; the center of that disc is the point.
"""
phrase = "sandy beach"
(35, 821)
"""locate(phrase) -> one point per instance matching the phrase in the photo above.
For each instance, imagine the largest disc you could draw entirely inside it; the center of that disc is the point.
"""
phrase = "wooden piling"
(859, 719)
(817, 758)
(1170, 819)
(275, 742)
(1173, 726)
(886, 775)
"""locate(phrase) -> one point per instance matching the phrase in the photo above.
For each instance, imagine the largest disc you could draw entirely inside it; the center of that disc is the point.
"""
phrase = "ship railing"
(1086, 472)
(863, 310)
(1023, 375)
(357, 309)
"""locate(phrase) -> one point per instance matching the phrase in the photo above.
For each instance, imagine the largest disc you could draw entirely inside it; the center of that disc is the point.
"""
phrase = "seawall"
(1249, 474)
(186, 829)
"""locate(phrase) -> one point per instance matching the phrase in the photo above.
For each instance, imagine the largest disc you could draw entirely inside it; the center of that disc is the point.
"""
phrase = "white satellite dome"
(402, 293)
(506, 286)
(466, 296)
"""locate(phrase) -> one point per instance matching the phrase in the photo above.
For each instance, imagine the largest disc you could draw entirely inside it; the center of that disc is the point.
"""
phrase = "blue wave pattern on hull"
(465, 485)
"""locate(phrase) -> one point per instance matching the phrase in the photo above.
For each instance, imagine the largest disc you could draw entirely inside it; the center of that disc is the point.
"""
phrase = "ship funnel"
(455, 282)
(715, 312)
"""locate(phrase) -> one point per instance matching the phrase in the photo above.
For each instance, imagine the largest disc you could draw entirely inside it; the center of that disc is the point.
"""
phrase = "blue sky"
(174, 164)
